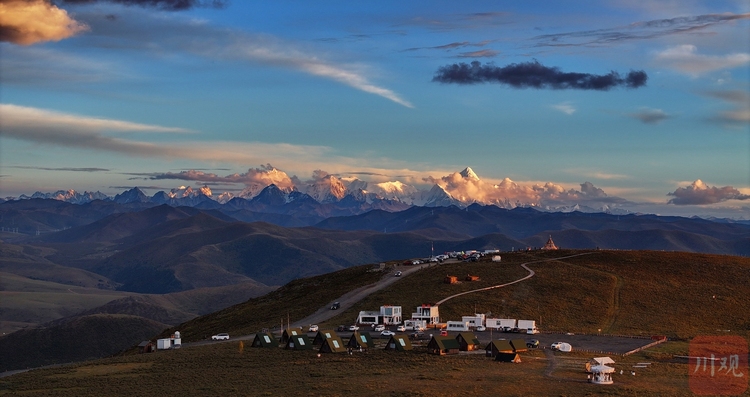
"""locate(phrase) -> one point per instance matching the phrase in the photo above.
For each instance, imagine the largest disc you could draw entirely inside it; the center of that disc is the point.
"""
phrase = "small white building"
(460, 326)
(391, 314)
(164, 344)
(428, 313)
(474, 321)
(387, 315)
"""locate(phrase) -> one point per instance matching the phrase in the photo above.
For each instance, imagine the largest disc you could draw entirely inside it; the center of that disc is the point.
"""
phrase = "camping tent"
(264, 339)
(333, 345)
(324, 334)
(298, 342)
(289, 332)
(360, 340)
(399, 342)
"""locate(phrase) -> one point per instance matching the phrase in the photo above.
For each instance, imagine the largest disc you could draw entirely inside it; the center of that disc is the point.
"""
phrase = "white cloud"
(686, 59)
(565, 107)
(699, 193)
(27, 22)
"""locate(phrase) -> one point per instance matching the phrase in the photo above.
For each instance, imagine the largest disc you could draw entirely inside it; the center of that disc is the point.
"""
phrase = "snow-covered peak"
(326, 190)
(468, 173)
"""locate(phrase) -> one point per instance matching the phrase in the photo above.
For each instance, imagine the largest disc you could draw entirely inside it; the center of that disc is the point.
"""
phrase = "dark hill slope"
(521, 223)
(669, 240)
(75, 340)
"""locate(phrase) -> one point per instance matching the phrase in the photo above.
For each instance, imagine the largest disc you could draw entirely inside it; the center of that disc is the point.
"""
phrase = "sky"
(644, 105)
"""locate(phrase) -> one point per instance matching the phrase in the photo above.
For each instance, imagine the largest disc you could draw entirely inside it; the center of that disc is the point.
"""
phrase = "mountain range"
(459, 189)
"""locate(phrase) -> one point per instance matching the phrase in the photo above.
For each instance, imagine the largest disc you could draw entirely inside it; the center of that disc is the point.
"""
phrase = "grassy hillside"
(226, 369)
(622, 292)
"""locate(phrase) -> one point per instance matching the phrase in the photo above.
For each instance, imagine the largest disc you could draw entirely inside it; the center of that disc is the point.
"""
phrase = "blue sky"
(107, 95)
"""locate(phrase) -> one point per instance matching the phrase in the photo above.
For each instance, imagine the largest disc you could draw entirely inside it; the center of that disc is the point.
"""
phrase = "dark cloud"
(168, 5)
(643, 30)
(452, 46)
(650, 116)
(535, 75)
(698, 193)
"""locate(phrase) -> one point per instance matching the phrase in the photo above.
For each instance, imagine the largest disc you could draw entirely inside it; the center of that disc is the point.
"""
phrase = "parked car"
(221, 336)
(313, 328)
(532, 344)
(401, 328)
(417, 335)
(481, 328)
(353, 327)
(341, 328)
(335, 306)
(398, 274)
(443, 332)
(387, 333)
(379, 328)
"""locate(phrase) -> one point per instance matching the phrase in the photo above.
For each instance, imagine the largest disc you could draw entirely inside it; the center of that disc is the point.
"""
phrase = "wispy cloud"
(650, 116)
(642, 30)
(479, 54)
(157, 33)
(686, 59)
(565, 107)
(70, 169)
(737, 117)
(699, 193)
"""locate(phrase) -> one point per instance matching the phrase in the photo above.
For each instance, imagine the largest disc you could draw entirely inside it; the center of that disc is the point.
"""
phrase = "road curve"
(523, 265)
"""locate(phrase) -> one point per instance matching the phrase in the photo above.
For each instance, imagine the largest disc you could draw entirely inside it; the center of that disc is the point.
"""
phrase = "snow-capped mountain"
(70, 196)
(328, 189)
(268, 186)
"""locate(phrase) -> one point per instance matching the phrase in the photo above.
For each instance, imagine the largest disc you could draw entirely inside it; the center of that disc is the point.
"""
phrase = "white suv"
(222, 336)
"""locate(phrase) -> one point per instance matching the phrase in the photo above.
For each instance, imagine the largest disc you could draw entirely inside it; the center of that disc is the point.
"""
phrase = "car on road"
(313, 328)
(221, 336)
(341, 328)
(532, 344)
(387, 333)
(398, 274)
(401, 328)
(481, 328)
(443, 332)
(335, 306)
(379, 327)
(353, 327)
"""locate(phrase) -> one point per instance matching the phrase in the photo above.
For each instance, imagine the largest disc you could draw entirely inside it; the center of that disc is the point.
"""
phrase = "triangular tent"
(361, 340)
(264, 339)
(298, 342)
(333, 345)
(399, 342)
